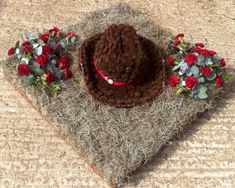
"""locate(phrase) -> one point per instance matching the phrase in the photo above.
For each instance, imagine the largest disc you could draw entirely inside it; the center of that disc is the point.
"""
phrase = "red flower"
(25, 43)
(27, 49)
(204, 52)
(179, 35)
(173, 81)
(63, 62)
(23, 69)
(206, 71)
(57, 47)
(50, 77)
(56, 30)
(10, 51)
(70, 34)
(198, 50)
(219, 81)
(191, 82)
(212, 52)
(171, 60)
(45, 36)
(68, 74)
(199, 44)
(191, 58)
(176, 43)
(42, 60)
(46, 49)
(222, 62)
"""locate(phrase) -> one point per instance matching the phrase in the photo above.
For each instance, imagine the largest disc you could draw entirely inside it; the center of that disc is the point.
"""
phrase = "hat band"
(116, 83)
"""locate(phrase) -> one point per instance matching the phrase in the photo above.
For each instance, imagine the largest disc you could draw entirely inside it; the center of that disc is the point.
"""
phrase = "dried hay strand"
(115, 141)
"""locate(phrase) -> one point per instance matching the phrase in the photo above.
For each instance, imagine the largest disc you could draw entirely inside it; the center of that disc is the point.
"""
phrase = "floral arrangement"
(43, 59)
(194, 68)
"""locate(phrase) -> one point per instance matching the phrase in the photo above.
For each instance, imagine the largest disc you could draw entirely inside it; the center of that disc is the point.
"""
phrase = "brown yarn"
(137, 52)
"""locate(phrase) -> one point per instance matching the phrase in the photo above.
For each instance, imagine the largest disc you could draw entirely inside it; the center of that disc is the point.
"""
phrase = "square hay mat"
(113, 141)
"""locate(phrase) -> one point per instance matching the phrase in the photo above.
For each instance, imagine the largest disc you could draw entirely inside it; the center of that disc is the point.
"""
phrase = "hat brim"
(125, 96)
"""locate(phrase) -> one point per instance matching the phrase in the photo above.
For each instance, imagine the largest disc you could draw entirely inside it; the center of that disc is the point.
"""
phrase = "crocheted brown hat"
(121, 68)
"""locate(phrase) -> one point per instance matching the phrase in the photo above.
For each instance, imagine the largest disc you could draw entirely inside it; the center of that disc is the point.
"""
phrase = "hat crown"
(119, 53)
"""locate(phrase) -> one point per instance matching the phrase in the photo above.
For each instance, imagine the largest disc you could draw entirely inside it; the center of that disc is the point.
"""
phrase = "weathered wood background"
(32, 154)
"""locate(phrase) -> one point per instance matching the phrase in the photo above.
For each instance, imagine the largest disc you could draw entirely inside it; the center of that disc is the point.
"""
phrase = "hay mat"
(114, 141)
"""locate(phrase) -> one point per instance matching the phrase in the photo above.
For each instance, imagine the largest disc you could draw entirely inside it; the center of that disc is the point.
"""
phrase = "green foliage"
(211, 77)
(200, 92)
(181, 89)
(43, 85)
(194, 70)
(28, 80)
(227, 76)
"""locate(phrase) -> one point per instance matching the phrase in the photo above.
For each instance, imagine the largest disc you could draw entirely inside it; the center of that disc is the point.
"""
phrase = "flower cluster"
(194, 68)
(43, 58)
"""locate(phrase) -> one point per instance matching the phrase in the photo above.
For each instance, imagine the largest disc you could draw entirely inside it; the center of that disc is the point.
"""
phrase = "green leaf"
(28, 80)
(41, 42)
(17, 44)
(30, 36)
(62, 44)
(38, 50)
(188, 72)
(194, 70)
(35, 68)
(28, 56)
(199, 63)
(200, 58)
(73, 40)
(208, 61)
(26, 60)
(55, 87)
(52, 44)
(202, 95)
(176, 62)
(35, 45)
(17, 51)
(201, 80)
(212, 76)
(227, 76)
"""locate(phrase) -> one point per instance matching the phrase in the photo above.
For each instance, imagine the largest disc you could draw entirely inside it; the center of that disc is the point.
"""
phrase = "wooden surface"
(32, 154)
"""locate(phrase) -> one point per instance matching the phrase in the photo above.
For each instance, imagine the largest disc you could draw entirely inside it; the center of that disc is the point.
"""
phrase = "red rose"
(199, 44)
(44, 36)
(42, 60)
(173, 81)
(212, 52)
(50, 77)
(205, 52)
(25, 43)
(176, 43)
(11, 51)
(56, 30)
(191, 82)
(23, 69)
(46, 49)
(219, 81)
(222, 62)
(70, 34)
(179, 35)
(63, 62)
(57, 47)
(206, 71)
(197, 50)
(191, 58)
(27, 49)
(171, 60)
(68, 74)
